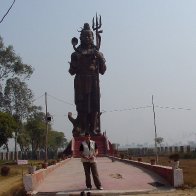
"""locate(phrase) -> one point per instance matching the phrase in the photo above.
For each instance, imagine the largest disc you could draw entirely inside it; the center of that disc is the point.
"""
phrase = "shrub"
(5, 170)
(130, 158)
(32, 169)
(187, 156)
(174, 157)
(122, 156)
(54, 162)
(152, 161)
(44, 165)
(194, 155)
(39, 166)
(139, 159)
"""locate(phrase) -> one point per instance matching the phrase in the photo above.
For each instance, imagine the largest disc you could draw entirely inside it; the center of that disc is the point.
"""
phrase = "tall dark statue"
(87, 62)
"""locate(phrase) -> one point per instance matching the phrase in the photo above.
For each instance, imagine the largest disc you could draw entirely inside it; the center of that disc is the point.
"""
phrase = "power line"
(127, 109)
(144, 107)
(172, 108)
(61, 100)
(118, 110)
(7, 11)
(38, 98)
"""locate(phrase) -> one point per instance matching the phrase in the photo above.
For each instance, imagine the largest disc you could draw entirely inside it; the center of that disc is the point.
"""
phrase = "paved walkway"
(117, 178)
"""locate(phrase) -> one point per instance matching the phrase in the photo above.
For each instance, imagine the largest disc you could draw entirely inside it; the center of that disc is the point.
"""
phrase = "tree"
(24, 140)
(15, 96)
(56, 140)
(35, 129)
(17, 101)
(7, 126)
(11, 67)
(11, 64)
(18, 98)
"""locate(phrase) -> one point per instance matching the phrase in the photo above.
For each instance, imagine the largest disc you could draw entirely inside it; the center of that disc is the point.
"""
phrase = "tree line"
(19, 117)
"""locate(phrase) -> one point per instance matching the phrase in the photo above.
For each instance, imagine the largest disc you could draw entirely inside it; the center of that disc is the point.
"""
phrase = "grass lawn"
(12, 184)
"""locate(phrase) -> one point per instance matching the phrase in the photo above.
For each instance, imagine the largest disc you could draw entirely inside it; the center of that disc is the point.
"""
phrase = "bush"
(152, 161)
(139, 159)
(187, 156)
(44, 165)
(194, 155)
(10, 163)
(54, 162)
(122, 156)
(174, 157)
(32, 169)
(39, 166)
(5, 170)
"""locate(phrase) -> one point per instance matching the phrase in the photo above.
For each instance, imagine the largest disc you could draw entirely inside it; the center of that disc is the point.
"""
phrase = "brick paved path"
(116, 177)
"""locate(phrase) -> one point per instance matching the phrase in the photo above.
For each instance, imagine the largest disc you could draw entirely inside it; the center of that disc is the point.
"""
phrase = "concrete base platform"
(117, 178)
(113, 192)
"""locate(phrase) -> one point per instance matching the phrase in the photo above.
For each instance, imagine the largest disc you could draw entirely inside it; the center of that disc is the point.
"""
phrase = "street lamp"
(155, 131)
(47, 120)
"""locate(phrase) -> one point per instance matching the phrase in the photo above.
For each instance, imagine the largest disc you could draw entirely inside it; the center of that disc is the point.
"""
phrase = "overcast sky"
(149, 47)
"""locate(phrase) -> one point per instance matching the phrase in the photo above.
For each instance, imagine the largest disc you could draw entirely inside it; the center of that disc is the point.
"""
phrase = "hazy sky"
(149, 47)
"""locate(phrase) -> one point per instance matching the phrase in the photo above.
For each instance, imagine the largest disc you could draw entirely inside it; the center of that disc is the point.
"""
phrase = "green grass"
(12, 184)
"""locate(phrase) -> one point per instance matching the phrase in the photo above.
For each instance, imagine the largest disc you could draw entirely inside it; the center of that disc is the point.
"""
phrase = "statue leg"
(93, 122)
(83, 121)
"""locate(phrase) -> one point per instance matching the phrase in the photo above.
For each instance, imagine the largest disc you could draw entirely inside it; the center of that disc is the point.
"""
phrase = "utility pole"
(155, 131)
(17, 118)
(15, 145)
(46, 120)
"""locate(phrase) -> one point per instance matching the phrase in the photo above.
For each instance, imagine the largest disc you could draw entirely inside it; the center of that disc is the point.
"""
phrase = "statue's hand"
(69, 114)
(98, 54)
(100, 57)
(92, 68)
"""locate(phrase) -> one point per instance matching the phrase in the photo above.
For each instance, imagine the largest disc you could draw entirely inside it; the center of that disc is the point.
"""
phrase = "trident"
(96, 26)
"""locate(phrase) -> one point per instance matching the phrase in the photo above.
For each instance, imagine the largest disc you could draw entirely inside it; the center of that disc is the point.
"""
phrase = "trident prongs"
(96, 25)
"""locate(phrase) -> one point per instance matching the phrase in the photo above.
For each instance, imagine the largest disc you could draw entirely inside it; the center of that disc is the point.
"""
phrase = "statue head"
(86, 36)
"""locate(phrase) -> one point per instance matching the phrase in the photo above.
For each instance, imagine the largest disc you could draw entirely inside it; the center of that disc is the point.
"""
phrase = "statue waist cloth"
(86, 74)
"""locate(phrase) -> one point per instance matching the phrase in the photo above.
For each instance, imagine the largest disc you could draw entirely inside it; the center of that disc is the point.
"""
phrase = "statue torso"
(85, 62)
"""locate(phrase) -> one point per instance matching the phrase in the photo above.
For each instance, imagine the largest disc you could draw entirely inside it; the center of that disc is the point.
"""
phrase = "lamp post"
(46, 120)
(155, 131)
(15, 145)
(17, 118)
